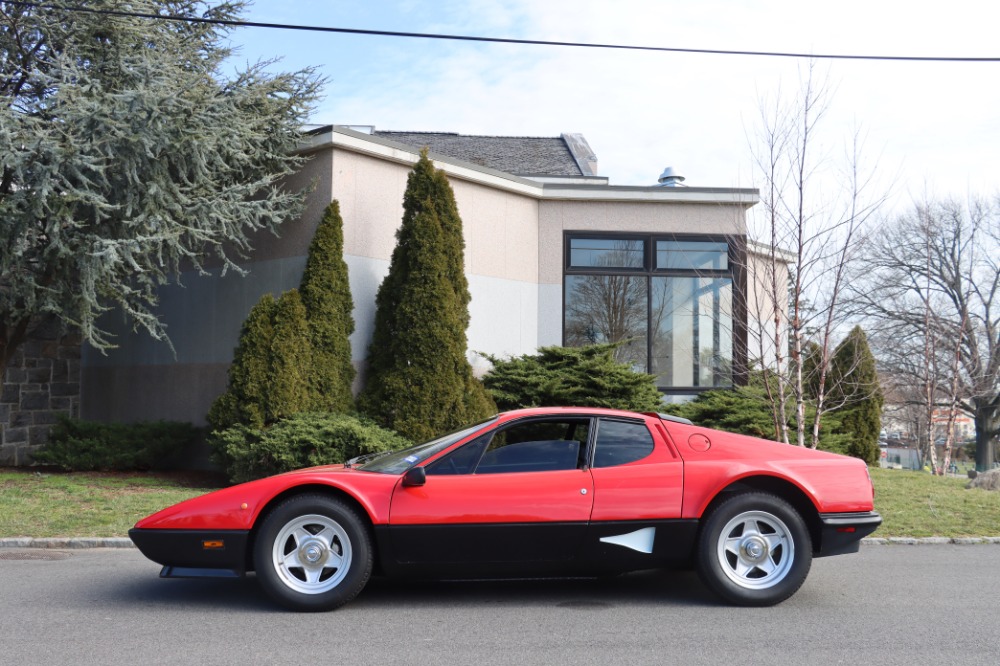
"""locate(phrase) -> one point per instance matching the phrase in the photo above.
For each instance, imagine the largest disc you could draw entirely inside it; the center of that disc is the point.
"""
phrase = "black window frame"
(595, 434)
(736, 272)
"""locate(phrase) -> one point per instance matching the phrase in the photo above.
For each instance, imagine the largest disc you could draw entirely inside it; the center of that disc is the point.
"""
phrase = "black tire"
(313, 553)
(754, 550)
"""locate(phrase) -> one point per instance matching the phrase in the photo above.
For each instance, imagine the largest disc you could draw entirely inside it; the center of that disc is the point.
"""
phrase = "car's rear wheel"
(754, 550)
(313, 553)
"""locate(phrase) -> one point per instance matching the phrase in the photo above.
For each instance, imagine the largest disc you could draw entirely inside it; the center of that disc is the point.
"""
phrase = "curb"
(929, 541)
(68, 543)
(124, 543)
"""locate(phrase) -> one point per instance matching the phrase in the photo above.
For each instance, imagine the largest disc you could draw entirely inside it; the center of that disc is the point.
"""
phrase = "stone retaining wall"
(42, 382)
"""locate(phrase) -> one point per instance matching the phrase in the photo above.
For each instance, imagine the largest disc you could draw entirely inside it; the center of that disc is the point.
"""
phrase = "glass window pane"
(536, 446)
(461, 461)
(692, 324)
(619, 443)
(608, 308)
(692, 255)
(606, 253)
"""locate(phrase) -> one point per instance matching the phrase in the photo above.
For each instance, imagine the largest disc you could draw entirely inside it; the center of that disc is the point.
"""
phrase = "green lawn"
(913, 504)
(917, 504)
(83, 504)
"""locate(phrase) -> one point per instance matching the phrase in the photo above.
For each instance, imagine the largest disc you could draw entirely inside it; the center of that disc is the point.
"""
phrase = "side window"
(537, 446)
(620, 442)
(462, 460)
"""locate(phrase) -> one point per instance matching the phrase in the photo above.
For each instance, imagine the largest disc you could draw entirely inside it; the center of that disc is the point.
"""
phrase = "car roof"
(554, 411)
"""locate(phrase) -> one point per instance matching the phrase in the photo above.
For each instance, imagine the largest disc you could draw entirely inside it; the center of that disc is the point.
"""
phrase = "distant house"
(554, 255)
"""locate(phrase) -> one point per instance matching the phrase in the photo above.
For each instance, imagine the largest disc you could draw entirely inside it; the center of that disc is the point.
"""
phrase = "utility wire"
(501, 40)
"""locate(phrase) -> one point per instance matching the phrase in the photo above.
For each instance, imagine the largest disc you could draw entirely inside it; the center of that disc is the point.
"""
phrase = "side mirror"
(415, 476)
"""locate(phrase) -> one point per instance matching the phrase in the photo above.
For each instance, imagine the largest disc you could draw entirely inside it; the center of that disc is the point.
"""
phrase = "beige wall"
(767, 294)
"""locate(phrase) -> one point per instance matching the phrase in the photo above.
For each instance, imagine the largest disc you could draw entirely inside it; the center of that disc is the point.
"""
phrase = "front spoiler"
(185, 553)
(842, 532)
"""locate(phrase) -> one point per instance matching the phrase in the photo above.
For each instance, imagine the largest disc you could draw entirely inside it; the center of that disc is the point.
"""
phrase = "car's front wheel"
(754, 550)
(313, 553)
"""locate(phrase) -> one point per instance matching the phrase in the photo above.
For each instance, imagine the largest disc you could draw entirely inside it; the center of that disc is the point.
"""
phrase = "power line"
(501, 40)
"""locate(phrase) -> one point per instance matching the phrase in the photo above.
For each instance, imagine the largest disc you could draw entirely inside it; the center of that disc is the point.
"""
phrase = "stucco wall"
(767, 294)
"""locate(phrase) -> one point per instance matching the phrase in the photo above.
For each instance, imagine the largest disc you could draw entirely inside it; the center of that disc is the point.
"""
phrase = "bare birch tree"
(810, 233)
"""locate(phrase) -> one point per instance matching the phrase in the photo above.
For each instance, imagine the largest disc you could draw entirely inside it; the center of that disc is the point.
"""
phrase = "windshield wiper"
(365, 457)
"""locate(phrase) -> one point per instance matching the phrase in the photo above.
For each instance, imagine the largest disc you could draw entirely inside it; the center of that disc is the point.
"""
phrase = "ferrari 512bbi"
(536, 492)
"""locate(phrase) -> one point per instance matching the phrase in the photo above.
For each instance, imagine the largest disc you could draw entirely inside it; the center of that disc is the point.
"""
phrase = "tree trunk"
(987, 422)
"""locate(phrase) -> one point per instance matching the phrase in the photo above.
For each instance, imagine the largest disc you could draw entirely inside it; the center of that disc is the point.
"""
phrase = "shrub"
(302, 440)
(747, 411)
(572, 376)
(89, 446)
(269, 377)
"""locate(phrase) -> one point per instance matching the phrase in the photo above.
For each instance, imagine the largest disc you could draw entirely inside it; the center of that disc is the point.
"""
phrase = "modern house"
(554, 255)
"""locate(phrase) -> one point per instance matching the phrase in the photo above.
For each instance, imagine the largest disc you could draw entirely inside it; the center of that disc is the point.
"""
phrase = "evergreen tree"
(854, 383)
(326, 294)
(132, 151)
(420, 382)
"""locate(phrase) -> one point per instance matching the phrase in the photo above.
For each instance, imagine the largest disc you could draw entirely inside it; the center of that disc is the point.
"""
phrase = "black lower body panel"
(534, 549)
(842, 532)
(194, 550)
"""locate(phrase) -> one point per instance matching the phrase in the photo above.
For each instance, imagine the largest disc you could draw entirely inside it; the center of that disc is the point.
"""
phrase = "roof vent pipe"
(670, 178)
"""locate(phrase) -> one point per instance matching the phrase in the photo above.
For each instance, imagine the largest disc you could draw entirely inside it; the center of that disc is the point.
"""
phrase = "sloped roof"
(518, 155)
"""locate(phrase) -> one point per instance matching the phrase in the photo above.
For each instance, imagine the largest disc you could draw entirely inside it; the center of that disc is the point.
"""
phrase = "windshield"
(398, 462)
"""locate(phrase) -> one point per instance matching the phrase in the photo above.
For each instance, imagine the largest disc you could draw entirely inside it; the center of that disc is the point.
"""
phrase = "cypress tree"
(289, 389)
(326, 295)
(420, 382)
(854, 382)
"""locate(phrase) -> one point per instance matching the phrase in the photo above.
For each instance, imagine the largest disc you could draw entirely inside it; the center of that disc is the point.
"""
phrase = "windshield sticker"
(411, 459)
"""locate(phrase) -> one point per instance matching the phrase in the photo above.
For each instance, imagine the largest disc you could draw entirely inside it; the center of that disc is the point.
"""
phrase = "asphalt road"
(886, 605)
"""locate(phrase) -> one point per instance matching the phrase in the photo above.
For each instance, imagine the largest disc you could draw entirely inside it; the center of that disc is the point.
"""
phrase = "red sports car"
(535, 492)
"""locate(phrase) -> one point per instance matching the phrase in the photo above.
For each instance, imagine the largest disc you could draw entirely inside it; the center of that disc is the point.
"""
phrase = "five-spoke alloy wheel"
(754, 550)
(313, 552)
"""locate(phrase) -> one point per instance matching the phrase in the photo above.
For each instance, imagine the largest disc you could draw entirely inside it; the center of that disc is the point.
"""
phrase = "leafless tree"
(808, 235)
(933, 284)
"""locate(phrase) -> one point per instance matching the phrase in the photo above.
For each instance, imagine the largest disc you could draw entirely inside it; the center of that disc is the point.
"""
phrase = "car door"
(520, 494)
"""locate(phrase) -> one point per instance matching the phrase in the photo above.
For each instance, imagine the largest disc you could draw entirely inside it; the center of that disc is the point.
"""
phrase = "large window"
(668, 301)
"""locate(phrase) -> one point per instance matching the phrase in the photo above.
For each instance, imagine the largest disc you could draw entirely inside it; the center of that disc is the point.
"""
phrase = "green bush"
(747, 411)
(302, 440)
(82, 446)
(570, 376)
(269, 376)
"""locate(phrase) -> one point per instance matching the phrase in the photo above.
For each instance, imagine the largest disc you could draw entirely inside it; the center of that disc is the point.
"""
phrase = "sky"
(929, 129)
